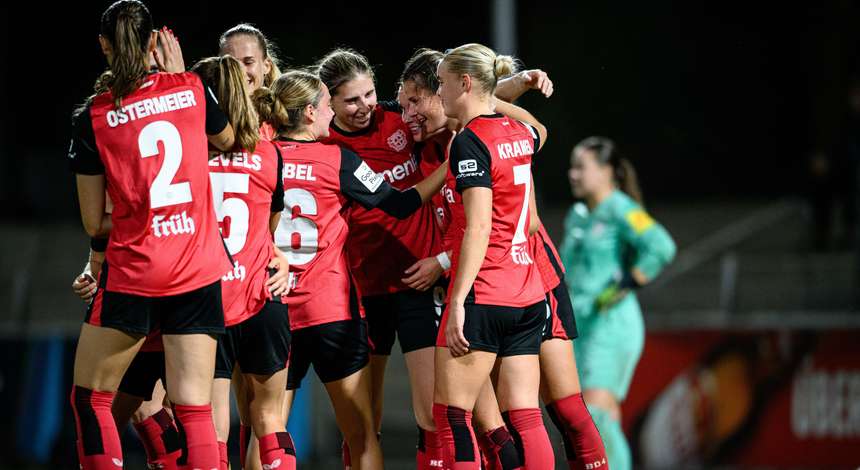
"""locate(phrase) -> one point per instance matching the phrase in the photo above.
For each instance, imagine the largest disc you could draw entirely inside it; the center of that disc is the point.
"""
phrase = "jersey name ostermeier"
(516, 149)
(151, 106)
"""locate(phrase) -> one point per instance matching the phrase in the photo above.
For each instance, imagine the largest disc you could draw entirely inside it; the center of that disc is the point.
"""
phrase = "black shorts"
(260, 344)
(145, 370)
(506, 331)
(560, 322)
(336, 350)
(412, 316)
(196, 311)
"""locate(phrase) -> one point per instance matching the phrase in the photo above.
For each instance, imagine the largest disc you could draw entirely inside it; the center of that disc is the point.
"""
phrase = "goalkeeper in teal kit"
(611, 247)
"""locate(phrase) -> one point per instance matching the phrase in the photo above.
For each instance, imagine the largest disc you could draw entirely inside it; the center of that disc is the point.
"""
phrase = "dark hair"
(127, 25)
(421, 69)
(340, 66)
(225, 75)
(622, 170)
(270, 51)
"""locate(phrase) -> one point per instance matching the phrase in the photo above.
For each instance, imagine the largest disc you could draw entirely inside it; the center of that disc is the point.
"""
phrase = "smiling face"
(246, 49)
(586, 175)
(422, 110)
(354, 102)
(452, 90)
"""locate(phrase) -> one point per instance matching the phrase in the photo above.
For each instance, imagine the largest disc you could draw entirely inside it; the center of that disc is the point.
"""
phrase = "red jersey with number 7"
(496, 152)
(246, 188)
(153, 150)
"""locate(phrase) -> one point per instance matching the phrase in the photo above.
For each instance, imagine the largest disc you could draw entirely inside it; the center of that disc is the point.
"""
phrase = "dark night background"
(719, 105)
(709, 101)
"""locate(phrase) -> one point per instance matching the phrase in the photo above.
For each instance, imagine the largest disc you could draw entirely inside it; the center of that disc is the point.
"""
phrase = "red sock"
(344, 455)
(582, 443)
(160, 440)
(435, 453)
(498, 447)
(98, 440)
(197, 432)
(245, 434)
(457, 437)
(530, 437)
(277, 451)
(223, 456)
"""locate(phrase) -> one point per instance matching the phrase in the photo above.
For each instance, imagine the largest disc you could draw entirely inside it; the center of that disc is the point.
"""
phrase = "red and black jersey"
(381, 247)
(246, 187)
(430, 154)
(495, 152)
(546, 259)
(153, 153)
(320, 181)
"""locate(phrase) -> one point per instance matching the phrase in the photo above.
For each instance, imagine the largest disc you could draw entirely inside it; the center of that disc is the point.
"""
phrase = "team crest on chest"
(397, 141)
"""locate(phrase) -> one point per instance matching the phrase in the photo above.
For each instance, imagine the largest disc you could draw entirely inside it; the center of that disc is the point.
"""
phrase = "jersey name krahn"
(176, 224)
(240, 159)
(399, 172)
(151, 106)
(515, 149)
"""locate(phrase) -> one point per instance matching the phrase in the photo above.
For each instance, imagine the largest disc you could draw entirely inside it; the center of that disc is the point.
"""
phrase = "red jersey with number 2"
(495, 152)
(165, 237)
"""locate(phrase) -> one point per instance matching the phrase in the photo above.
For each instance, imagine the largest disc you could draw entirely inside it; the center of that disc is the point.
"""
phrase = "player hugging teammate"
(242, 217)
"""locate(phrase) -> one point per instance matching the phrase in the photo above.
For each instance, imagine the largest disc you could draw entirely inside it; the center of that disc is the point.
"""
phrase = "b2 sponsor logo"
(465, 166)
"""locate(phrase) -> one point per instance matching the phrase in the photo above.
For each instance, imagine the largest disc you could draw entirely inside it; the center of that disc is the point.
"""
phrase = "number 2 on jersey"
(298, 236)
(163, 192)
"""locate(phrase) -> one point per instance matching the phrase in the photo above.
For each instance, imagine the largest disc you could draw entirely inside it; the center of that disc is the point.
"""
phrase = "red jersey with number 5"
(165, 237)
(495, 152)
(246, 188)
(381, 247)
(320, 183)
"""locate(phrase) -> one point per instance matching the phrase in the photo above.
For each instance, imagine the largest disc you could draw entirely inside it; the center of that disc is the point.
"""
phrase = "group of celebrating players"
(288, 220)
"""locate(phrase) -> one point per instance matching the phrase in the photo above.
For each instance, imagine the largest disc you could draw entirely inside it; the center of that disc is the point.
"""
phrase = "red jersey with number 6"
(246, 188)
(495, 152)
(381, 247)
(320, 183)
(165, 237)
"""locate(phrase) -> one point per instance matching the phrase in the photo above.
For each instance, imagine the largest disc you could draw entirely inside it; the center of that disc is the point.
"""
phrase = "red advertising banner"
(778, 399)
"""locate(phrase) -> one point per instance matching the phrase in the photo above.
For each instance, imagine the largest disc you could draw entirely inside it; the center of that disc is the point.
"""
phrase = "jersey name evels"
(238, 159)
(151, 106)
(517, 148)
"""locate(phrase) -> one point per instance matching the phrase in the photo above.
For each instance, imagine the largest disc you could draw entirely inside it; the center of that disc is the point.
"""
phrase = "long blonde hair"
(481, 63)
(226, 76)
(283, 105)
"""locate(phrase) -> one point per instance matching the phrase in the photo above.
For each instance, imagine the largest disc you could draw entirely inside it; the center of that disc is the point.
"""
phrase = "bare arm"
(431, 185)
(91, 196)
(515, 112)
(511, 88)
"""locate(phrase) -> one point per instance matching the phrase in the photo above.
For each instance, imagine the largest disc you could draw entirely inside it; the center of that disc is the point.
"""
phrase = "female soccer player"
(249, 197)
(381, 247)
(432, 131)
(323, 181)
(145, 141)
(495, 303)
(613, 247)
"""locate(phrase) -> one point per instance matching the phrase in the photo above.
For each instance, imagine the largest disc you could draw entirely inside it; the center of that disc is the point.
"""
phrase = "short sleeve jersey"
(431, 154)
(495, 152)
(246, 188)
(153, 153)
(320, 183)
(380, 246)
